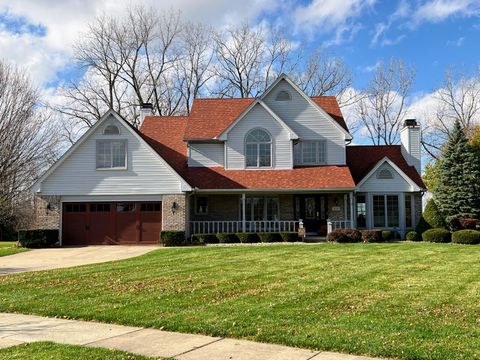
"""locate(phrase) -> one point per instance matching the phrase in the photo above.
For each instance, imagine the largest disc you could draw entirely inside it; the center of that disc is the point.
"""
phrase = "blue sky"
(432, 35)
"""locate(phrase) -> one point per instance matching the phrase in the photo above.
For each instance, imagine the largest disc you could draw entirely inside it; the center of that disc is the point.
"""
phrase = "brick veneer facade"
(47, 212)
(174, 219)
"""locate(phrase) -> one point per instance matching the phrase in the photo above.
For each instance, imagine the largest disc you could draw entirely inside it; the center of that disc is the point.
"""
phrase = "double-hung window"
(258, 149)
(111, 154)
(310, 152)
(386, 211)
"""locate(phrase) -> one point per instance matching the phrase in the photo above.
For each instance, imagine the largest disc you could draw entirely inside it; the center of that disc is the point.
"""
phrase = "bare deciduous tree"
(28, 139)
(383, 105)
(458, 98)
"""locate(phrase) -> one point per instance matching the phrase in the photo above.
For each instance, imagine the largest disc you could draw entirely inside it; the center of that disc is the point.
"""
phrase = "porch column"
(345, 210)
(244, 223)
(352, 220)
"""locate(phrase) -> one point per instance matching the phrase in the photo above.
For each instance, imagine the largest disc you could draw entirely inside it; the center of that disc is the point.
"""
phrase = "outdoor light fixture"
(48, 208)
(174, 207)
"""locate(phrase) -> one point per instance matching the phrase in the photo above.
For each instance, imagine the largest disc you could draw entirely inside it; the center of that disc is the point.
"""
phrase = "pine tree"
(458, 188)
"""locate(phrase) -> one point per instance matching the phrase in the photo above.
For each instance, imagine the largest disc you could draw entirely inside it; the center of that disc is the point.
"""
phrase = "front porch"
(319, 213)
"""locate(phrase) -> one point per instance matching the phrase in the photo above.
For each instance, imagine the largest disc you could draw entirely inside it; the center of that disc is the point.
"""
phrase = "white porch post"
(345, 210)
(352, 220)
(244, 222)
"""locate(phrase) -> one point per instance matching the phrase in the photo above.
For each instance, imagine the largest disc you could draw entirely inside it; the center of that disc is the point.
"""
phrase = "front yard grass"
(8, 248)
(410, 300)
(49, 350)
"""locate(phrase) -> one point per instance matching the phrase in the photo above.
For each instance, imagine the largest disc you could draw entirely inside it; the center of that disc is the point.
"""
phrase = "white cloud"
(402, 11)
(458, 42)
(439, 10)
(329, 15)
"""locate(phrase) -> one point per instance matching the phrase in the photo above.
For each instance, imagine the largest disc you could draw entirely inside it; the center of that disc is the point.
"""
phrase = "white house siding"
(411, 146)
(397, 184)
(258, 117)
(206, 155)
(145, 174)
(308, 122)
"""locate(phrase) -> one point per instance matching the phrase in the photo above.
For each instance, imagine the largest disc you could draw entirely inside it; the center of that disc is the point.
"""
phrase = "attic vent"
(283, 96)
(111, 130)
(384, 174)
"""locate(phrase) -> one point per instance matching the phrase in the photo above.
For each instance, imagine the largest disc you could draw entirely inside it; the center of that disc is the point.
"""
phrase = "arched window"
(384, 174)
(283, 96)
(258, 148)
(111, 130)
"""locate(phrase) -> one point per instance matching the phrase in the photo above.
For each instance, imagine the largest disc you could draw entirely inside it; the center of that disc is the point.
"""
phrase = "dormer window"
(111, 130)
(258, 149)
(384, 174)
(283, 96)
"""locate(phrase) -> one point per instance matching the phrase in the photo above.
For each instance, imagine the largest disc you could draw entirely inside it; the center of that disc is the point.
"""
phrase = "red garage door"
(111, 223)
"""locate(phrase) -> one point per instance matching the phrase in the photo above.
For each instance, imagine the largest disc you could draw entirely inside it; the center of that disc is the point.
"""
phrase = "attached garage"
(98, 223)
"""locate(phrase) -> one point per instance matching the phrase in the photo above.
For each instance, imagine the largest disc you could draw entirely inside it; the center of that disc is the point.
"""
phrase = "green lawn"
(7, 248)
(411, 301)
(49, 350)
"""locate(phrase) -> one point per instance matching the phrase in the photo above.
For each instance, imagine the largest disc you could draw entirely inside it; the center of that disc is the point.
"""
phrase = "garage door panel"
(102, 223)
(75, 226)
(127, 226)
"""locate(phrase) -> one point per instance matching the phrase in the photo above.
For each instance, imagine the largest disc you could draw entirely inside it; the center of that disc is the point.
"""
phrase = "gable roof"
(361, 159)
(211, 117)
(36, 187)
(165, 135)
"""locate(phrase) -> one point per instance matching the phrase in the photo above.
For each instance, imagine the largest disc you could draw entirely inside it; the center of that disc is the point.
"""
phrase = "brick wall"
(174, 220)
(418, 209)
(336, 207)
(46, 212)
(287, 207)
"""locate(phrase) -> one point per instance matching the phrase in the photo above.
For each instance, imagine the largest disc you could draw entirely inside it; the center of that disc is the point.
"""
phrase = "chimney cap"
(147, 105)
(410, 123)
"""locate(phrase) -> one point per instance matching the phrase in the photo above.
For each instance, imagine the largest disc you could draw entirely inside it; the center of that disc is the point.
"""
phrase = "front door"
(312, 210)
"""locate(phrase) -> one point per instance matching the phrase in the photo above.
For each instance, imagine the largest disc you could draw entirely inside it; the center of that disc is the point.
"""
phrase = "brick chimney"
(410, 137)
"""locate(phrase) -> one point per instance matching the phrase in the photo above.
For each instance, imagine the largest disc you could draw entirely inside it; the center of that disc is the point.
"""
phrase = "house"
(233, 165)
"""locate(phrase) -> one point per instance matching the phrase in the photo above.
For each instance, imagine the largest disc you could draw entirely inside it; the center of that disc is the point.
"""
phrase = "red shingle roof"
(362, 159)
(165, 135)
(210, 117)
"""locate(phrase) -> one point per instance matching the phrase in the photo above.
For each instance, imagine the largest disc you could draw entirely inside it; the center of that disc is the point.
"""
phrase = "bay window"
(385, 211)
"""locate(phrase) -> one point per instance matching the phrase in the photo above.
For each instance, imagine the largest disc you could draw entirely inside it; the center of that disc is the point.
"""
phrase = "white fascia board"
(414, 186)
(285, 77)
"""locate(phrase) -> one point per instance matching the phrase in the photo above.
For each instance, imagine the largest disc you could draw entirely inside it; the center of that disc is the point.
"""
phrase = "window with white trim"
(310, 152)
(111, 130)
(111, 154)
(262, 208)
(258, 149)
(386, 211)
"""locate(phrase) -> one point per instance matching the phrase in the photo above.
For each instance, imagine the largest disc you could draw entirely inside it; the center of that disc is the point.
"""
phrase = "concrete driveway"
(45, 259)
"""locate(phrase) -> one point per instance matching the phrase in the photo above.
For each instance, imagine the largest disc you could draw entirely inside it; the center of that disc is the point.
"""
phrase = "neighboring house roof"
(165, 135)
(211, 117)
(361, 159)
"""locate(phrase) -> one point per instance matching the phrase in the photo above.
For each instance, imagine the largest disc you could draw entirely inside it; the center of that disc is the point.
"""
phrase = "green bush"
(289, 236)
(387, 235)
(431, 218)
(371, 236)
(412, 236)
(437, 235)
(268, 237)
(345, 236)
(173, 238)
(468, 236)
(202, 239)
(228, 238)
(248, 237)
(40, 238)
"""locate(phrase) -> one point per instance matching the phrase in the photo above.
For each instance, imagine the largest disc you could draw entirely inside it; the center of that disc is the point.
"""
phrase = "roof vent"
(410, 123)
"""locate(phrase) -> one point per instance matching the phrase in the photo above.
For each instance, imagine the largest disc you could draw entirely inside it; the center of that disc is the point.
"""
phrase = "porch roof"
(165, 135)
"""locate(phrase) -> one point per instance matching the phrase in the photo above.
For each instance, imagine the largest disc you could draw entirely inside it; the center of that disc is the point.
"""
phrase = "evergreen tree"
(458, 188)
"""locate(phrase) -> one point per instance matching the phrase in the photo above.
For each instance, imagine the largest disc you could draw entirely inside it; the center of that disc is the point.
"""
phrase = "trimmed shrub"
(431, 218)
(228, 238)
(467, 236)
(39, 238)
(173, 238)
(371, 236)
(412, 236)
(248, 237)
(267, 237)
(345, 236)
(201, 239)
(437, 235)
(467, 223)
(289, 236)
(387, 235)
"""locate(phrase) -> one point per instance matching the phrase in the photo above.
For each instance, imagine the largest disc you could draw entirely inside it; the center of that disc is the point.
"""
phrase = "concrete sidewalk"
(17, 329)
